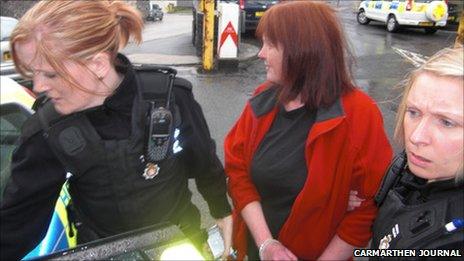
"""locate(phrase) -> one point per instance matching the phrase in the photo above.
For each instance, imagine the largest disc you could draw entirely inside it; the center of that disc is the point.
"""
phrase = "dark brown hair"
(315, 52)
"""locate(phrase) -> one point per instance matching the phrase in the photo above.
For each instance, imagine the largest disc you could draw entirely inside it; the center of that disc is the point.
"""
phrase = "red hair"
(315, 52)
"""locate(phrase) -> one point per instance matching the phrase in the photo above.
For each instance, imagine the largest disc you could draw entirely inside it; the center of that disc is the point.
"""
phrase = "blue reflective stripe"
(54, 240)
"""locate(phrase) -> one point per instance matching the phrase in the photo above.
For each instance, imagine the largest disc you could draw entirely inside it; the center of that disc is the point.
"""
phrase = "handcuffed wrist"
(265, 244)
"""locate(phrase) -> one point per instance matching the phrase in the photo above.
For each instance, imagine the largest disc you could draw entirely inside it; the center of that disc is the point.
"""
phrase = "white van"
(428, 14)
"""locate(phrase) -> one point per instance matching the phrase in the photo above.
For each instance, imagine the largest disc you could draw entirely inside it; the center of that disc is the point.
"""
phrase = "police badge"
(385, 242)
(151, 170)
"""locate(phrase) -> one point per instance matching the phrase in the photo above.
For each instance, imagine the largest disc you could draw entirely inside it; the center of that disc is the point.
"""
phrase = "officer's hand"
(225, 225)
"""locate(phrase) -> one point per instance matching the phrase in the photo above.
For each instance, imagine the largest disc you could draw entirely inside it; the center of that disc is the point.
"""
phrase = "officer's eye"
(447, 123)
(412, 112)
(50, 75)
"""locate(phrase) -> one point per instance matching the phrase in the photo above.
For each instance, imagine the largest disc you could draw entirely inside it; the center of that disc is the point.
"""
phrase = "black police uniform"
(413, 213)
(108, 191)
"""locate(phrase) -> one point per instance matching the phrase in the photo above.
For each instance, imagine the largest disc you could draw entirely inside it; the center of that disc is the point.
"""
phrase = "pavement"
(175, 26)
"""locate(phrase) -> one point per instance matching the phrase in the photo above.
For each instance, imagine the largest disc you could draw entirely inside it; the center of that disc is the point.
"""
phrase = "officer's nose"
(420, 134)
(39, 83)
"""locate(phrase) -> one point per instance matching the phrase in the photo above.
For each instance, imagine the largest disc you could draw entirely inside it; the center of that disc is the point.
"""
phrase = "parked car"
(16, 102)
(427, 14)
(251, 12)
(155, 13)
(7, 67)
(454, 13)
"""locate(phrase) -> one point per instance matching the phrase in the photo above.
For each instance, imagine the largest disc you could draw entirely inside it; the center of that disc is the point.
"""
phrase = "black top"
(279, 168)
(37, 176)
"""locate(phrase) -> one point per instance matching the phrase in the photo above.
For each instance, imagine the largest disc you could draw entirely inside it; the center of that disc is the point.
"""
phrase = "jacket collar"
(121, 99)
(266, 101)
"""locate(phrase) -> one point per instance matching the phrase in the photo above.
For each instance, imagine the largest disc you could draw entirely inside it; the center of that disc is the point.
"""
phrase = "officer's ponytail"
(129, 22)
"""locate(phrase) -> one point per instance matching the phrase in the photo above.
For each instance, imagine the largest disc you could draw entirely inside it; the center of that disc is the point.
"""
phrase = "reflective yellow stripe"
(401, 7)
(60, 209)
(419, 8)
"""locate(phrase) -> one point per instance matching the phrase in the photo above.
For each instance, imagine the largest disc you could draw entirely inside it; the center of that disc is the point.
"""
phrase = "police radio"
(159, 132)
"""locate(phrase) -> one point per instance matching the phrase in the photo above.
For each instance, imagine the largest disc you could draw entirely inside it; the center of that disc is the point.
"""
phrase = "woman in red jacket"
(305, 139)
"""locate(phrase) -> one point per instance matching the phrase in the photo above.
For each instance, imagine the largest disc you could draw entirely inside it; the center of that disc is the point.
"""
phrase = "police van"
(427, 14)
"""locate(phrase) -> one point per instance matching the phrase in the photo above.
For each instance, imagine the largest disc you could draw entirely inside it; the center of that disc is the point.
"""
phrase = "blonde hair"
(448, 62)
(460, 36)
(76, 31)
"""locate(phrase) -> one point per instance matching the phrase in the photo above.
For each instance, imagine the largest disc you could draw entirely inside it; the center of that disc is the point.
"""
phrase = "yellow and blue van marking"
(438, 12)
(401, 7)
(57, 237)
(394, 5)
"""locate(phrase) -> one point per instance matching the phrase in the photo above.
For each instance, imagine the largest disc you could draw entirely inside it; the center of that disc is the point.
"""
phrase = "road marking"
(416, 59)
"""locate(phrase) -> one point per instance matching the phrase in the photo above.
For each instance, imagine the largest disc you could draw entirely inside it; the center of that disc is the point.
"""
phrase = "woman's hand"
(274, 250)
(225, 225)
(354, 201)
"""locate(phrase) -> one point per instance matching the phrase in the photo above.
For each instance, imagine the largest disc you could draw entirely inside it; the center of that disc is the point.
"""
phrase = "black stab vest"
(410, 218)
(107, 187)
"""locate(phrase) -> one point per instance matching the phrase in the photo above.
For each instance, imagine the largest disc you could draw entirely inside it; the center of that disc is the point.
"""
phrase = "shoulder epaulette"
(44, 117)
(183, 83)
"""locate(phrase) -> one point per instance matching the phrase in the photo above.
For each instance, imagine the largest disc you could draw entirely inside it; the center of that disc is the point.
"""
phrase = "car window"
(7, 26)
(156, 242)
(423, 1)
(12, 117)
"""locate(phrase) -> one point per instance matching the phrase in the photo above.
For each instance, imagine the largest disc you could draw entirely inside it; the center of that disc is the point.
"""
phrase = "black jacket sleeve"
(29, 197)
(200, 155)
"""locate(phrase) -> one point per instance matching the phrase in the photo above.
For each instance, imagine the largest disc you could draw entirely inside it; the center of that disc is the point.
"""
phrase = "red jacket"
(346, 149)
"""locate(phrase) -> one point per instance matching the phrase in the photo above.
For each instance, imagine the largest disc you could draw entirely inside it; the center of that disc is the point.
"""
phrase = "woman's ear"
(100, 65)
